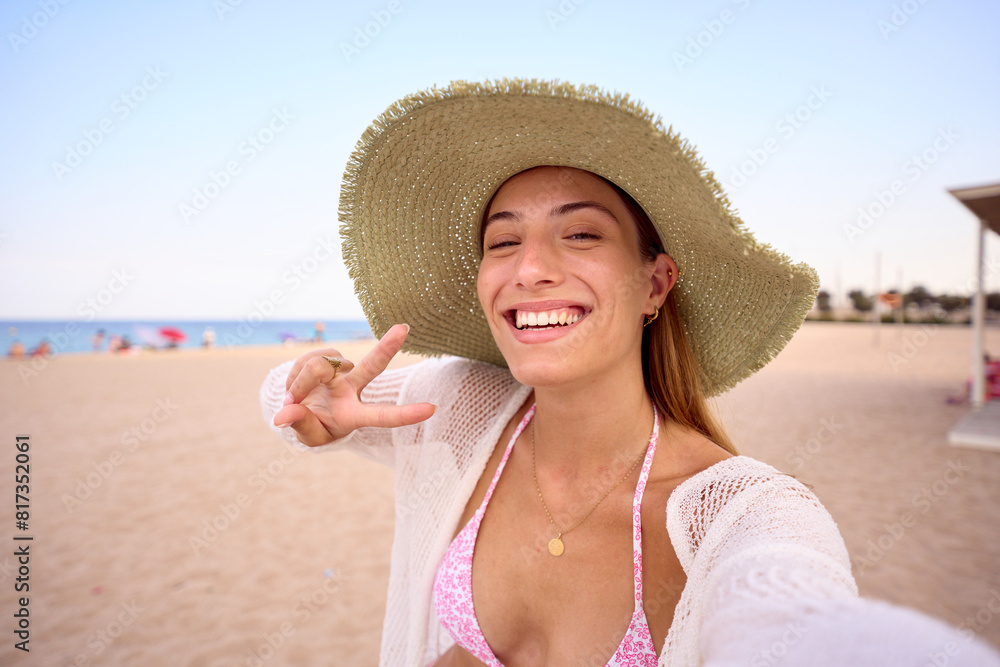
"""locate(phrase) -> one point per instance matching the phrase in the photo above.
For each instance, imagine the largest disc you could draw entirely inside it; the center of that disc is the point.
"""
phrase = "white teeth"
(533, 318)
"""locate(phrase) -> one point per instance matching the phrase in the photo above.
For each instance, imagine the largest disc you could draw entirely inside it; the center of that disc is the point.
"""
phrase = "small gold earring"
(650, 318)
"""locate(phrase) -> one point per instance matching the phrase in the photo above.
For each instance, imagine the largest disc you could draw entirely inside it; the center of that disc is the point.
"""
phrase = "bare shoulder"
(682, 453)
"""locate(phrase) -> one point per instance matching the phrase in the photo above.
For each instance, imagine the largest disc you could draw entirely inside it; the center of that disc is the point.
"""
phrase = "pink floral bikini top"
(453, 583)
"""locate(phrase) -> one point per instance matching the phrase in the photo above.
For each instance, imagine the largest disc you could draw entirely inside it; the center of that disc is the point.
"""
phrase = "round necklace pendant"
(556, 547)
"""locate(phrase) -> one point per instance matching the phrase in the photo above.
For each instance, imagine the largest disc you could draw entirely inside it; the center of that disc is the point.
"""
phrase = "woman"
(566, 474)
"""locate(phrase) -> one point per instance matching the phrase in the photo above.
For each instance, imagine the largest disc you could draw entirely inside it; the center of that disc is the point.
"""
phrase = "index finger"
(379, 357)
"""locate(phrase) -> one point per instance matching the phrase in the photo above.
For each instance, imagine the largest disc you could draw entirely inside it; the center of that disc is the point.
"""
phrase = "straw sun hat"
(417, 184)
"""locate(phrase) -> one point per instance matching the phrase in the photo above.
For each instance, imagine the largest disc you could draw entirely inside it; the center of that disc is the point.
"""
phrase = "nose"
(538, 264)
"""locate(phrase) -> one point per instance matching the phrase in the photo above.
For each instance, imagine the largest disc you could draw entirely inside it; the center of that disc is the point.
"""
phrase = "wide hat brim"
(417, 184)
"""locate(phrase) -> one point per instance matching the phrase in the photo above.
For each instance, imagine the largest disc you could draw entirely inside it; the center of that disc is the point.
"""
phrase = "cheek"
(482, 288)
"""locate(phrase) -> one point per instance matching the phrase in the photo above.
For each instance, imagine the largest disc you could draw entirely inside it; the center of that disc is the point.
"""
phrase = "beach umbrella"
(173, 334)
(980, 428)
(984, 203)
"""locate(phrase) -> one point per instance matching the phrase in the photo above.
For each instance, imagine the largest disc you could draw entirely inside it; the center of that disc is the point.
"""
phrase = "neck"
(593, 429)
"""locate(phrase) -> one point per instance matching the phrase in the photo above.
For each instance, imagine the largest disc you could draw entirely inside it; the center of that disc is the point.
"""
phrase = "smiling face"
(562, 282)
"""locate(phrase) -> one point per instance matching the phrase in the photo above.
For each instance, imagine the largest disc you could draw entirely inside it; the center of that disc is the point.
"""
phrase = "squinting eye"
(585, 236)
(493, 245)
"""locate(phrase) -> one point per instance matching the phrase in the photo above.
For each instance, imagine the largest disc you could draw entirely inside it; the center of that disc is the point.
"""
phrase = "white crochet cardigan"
(768, 575)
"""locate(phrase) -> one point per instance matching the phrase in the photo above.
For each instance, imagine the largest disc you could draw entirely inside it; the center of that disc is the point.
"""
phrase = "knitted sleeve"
(769, 582)
(372, 443)
(756, 546)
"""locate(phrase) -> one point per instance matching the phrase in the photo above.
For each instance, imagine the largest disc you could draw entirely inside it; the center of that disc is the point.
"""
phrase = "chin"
(551, 368)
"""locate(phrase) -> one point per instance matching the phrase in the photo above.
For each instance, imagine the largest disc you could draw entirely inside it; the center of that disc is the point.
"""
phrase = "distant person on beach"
(208, 338)
(43, 349)
(319, 332)
(98, 340)
(16, 350)
(992, 387)
(589, 288)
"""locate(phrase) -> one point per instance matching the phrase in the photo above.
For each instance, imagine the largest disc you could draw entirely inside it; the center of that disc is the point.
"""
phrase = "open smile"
(541, 320)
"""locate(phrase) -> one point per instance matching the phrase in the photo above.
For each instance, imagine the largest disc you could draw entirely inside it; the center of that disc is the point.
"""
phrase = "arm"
(772, 585)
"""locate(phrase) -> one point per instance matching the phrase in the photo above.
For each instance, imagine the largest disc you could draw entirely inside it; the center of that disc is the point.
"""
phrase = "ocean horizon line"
(45, 337)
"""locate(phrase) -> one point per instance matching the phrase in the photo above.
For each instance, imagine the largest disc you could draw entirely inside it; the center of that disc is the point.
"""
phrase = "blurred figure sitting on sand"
(16, 350)
(43, 349)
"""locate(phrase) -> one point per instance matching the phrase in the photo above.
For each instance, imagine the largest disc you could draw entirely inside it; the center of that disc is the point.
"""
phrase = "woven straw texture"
(416, 186)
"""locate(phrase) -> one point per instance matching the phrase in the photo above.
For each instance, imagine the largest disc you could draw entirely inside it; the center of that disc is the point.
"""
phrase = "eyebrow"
(566, 209)
(558, 211)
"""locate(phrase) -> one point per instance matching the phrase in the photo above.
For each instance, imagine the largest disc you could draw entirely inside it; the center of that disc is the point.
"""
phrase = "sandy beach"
(171, 527)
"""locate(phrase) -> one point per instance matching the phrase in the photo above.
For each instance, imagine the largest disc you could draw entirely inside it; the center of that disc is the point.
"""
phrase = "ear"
(662, 280)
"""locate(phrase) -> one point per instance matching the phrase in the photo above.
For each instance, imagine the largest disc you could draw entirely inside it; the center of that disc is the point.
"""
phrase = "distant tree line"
(919, 295)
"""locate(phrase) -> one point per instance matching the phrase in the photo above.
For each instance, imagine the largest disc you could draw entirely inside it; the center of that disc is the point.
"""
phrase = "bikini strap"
(647, 464)
(503, 461)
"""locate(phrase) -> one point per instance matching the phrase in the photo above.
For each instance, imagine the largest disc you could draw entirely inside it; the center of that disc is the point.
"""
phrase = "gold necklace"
(556, 546)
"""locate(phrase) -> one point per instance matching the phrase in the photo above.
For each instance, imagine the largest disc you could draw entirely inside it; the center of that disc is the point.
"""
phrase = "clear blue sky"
(199, 77)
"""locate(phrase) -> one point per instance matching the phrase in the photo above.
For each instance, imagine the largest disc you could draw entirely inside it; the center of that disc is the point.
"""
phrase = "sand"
(172, 528)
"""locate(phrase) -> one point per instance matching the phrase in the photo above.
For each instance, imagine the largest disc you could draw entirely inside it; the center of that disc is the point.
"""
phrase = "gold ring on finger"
(335, 362)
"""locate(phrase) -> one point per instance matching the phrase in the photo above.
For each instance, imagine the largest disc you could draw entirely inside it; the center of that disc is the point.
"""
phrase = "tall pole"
(978, 324)
(901, 311)
(877, 316)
